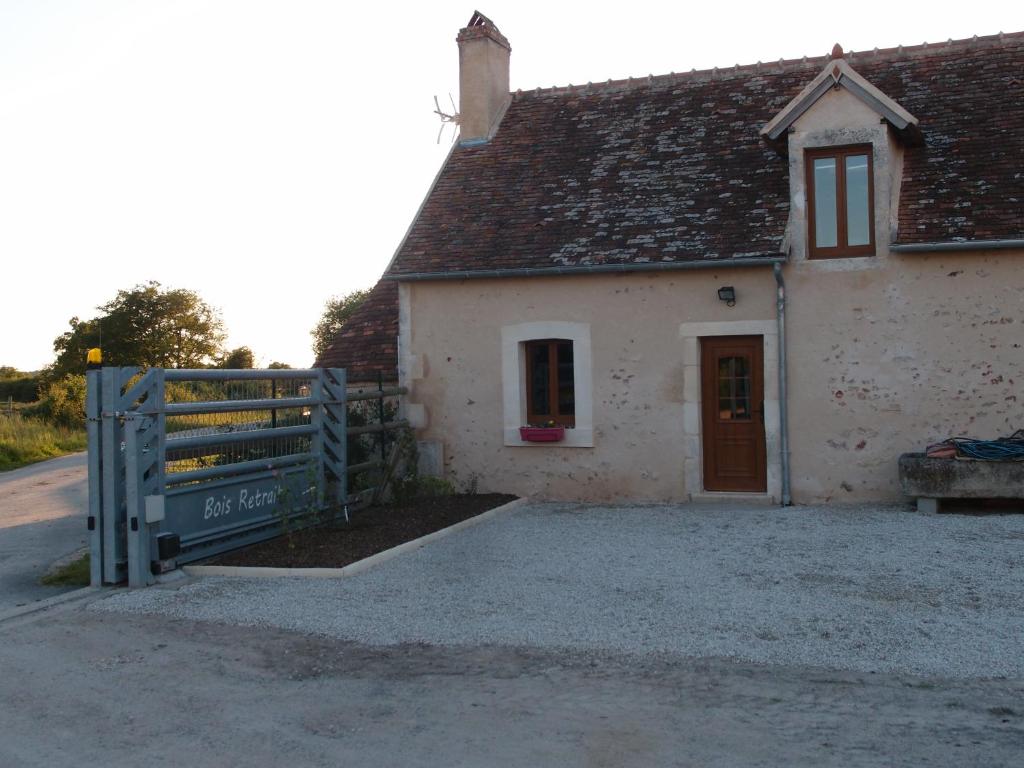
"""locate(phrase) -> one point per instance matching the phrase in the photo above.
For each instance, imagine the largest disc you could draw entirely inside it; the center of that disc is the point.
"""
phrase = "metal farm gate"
(184, 464)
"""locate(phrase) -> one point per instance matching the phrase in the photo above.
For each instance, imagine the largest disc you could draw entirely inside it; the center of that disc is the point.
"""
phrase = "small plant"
(408, 484)
(303, 511)
(73, 574)
(435, 486)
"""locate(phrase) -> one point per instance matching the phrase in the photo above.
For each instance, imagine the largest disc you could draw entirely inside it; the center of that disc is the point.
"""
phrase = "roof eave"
(959, 245)
(591, 269)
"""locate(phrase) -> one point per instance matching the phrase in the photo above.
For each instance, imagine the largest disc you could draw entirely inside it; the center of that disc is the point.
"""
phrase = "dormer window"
(840, 202)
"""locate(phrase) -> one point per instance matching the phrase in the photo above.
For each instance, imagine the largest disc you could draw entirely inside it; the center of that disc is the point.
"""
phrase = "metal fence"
(184, 464)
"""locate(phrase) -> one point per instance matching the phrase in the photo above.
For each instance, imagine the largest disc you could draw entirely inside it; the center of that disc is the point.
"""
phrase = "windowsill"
(848, 255)
(840, 263)
(574, 438)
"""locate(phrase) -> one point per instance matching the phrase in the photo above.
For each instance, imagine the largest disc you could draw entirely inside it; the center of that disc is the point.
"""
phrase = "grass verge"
(25, 440)
(73, 574)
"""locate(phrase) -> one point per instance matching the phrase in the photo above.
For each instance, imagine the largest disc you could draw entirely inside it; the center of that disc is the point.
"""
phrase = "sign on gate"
(184, 464)
(214, 514)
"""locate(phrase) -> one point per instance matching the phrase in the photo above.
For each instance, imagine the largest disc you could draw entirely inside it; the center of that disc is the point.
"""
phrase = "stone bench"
(932, 480)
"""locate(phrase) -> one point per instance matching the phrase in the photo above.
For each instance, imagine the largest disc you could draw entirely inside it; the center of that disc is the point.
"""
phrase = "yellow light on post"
(93, 359)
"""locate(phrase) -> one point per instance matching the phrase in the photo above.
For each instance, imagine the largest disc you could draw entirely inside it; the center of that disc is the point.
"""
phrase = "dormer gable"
(845, 142)
(839, 75)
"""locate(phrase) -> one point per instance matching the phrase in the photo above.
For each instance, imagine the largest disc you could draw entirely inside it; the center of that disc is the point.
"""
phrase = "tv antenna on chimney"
(447, 118)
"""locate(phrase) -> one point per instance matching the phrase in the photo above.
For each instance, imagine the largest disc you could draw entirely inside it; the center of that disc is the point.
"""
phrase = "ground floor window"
(550, 390)
(547, 376)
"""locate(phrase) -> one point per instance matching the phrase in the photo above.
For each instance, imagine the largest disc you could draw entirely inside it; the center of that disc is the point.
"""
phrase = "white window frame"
(513, 380)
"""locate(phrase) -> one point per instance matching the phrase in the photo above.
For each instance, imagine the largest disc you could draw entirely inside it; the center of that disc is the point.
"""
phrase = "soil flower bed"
(368, 532)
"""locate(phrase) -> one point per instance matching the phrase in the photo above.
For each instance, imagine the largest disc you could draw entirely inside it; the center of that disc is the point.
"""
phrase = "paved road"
(42, 518)
(79, 687)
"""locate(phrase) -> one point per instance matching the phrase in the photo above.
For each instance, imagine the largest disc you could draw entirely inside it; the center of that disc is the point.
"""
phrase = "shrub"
(62, 401)
(20, 387)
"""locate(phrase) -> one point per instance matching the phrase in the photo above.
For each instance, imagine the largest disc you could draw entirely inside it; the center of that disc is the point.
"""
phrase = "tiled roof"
(967, 180)
(368, 341)
(672, 168)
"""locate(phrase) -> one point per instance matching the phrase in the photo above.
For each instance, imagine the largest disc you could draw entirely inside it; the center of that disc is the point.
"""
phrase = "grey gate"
(184, 464)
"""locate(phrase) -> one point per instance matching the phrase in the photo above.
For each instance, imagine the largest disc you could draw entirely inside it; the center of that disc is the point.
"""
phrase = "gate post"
(93, 416)
(138, 441)
(335, 430)
(316, 419)
(112, 466)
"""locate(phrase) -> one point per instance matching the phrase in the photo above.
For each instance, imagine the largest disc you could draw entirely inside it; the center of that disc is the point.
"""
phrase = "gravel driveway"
(857, 588)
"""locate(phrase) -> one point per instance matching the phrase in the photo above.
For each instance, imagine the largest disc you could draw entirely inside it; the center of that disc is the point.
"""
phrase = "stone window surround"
(693, 444)
(887, 167)
(513, 380)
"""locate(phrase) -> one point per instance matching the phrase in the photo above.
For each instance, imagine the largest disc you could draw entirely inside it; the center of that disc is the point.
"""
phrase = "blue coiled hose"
(1004, 449)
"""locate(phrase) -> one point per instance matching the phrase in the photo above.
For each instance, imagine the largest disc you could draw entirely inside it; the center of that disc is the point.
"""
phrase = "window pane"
(743, 396)
(825, 231)
(725, 408)
(540, 379)
(857, 223)
(734, 388)
(566, 386)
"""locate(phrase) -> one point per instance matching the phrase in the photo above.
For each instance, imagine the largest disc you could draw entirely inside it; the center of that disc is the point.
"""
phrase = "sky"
(271, 154)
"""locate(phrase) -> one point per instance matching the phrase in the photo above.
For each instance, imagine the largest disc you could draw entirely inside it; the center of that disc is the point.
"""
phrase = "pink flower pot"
(542, 434)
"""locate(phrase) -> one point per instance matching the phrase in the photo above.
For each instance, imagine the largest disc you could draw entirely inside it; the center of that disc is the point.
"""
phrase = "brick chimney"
(483, 78)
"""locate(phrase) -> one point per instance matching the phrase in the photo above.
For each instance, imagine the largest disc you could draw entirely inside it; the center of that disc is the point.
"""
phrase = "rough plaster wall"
(886, 360)
(638, 448)
(883, 360)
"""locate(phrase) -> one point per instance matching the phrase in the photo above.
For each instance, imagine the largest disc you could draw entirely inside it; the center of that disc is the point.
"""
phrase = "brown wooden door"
(732, 413)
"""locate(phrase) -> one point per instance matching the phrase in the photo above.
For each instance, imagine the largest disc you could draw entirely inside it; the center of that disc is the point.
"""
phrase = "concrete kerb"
(353, 568)
(51, 602)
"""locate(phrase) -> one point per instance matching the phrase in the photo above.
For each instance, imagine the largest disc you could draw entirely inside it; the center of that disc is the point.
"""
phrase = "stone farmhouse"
(755, 282)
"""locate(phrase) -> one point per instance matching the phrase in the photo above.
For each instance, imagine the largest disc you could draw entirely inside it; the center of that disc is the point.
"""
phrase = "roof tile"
(367, 344)
(672, 168)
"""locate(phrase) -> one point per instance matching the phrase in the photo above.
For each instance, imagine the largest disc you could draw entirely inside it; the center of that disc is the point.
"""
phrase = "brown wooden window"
(840, 202)
(550, 391)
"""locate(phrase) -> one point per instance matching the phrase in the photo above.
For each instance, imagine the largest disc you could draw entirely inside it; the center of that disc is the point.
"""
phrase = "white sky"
(270, 154)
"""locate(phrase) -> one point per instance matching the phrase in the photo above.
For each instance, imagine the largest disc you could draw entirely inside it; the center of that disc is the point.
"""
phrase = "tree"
(241, 357)
(276, 366)
(337, 310)
(147, 326)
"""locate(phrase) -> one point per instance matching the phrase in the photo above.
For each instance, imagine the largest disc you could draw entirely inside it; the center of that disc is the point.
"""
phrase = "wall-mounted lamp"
(727, 294)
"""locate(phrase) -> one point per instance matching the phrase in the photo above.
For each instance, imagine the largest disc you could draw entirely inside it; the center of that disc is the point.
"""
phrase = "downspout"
(780, 313)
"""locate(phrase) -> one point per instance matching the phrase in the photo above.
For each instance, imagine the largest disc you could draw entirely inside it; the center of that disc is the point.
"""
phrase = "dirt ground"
(85, 688)
(368, 532)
